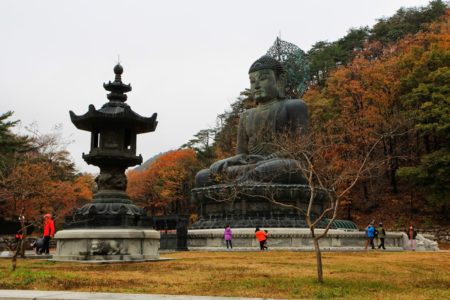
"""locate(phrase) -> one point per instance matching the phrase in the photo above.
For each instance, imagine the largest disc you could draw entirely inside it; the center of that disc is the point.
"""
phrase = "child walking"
(228, 236)
(261, 236)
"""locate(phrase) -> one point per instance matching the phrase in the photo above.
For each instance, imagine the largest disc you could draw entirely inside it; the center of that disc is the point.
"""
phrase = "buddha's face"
(264, 85)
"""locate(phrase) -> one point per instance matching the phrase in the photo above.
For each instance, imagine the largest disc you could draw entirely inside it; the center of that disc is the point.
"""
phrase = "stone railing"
(289, 238)
(440, 234)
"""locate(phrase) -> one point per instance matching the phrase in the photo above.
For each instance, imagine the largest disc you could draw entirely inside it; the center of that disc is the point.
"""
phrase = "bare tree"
(17, 246)
(327, 169)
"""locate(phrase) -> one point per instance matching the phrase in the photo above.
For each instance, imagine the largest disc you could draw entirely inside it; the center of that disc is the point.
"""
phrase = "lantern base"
(99, 245)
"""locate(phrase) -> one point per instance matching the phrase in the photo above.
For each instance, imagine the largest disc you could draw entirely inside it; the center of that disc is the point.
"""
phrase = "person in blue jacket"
(371, 235)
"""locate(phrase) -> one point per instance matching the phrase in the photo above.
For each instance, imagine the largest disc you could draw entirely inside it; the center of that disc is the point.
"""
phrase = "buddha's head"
(267, 79)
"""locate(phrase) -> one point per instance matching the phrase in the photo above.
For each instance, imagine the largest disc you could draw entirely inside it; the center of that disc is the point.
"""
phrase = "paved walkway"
(28, 254)
(60, 295)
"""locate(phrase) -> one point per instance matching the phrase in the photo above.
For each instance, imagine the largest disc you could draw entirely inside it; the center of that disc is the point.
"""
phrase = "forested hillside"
(390, 81)
(395, 86)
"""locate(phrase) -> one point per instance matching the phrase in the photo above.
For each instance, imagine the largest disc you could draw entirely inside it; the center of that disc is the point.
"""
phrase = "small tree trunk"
(24, 235)
(22, 248)
(16, 253)
(318, 254)
(319, 260)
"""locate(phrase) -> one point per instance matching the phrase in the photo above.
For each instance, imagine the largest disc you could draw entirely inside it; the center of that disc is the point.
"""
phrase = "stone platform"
(288, 239)
(107, 245)
(247, 205)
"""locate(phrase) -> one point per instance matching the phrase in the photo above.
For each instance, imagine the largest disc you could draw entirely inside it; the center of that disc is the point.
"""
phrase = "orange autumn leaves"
(164, 187)
(34, 187)
(370, 97)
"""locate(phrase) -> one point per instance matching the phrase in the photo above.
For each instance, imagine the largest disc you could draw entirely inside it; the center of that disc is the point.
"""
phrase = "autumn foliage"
(30, 185)
(399, 92)
(164, 187)
(37, 177)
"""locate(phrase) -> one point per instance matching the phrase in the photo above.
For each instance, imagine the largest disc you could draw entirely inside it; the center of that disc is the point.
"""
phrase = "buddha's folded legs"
(284, 171)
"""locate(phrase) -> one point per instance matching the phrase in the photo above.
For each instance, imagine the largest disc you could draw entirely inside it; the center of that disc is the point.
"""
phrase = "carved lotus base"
(109, 208)
(251, 205)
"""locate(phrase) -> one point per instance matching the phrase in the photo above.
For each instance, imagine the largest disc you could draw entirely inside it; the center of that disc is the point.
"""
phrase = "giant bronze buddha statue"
(257, 157)
(243, 190)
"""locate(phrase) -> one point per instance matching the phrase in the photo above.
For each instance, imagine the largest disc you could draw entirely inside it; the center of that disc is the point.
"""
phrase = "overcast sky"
(186, 60)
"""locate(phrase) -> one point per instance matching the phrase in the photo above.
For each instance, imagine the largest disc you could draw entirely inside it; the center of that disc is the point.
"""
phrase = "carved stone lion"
(106, 247)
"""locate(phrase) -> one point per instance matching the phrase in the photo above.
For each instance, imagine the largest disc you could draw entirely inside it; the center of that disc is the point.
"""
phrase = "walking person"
(381, 235)
(412, 237)
(370, 232)
(228, 236)
(366, 237)
(49, 231)
(261, 236)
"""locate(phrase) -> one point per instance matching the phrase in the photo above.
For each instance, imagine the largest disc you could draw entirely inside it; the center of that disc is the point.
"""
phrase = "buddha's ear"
(281, 85)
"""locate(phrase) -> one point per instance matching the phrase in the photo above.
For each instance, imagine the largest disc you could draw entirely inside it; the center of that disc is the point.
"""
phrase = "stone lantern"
(113, 149)
(111, 227)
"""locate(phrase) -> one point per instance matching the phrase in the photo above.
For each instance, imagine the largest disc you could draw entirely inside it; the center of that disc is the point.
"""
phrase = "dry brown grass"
(276, 274)
(444, 246)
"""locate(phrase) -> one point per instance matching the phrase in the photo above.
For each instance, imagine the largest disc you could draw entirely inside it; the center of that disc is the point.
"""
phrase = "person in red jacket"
(261, 236)
(49, 231)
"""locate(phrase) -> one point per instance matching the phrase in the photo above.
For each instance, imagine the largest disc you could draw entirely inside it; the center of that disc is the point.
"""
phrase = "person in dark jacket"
(381, 235)
(412, 233)
(49, 231)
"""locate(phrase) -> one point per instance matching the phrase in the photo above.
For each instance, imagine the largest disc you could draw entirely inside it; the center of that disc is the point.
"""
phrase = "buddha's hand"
(252, 159)
(221, 165)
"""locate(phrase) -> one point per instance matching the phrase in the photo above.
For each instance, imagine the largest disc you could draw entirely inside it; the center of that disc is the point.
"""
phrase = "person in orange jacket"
(261, 236)
(49, 231)
(19, 238)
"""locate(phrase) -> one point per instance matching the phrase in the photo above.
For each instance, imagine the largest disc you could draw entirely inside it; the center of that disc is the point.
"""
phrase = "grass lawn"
(276, 274)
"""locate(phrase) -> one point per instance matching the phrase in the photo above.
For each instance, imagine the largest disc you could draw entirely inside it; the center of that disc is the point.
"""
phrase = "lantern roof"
(115, 113)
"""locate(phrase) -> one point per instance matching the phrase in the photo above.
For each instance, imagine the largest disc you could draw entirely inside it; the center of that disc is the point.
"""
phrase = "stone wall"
(440, 234)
